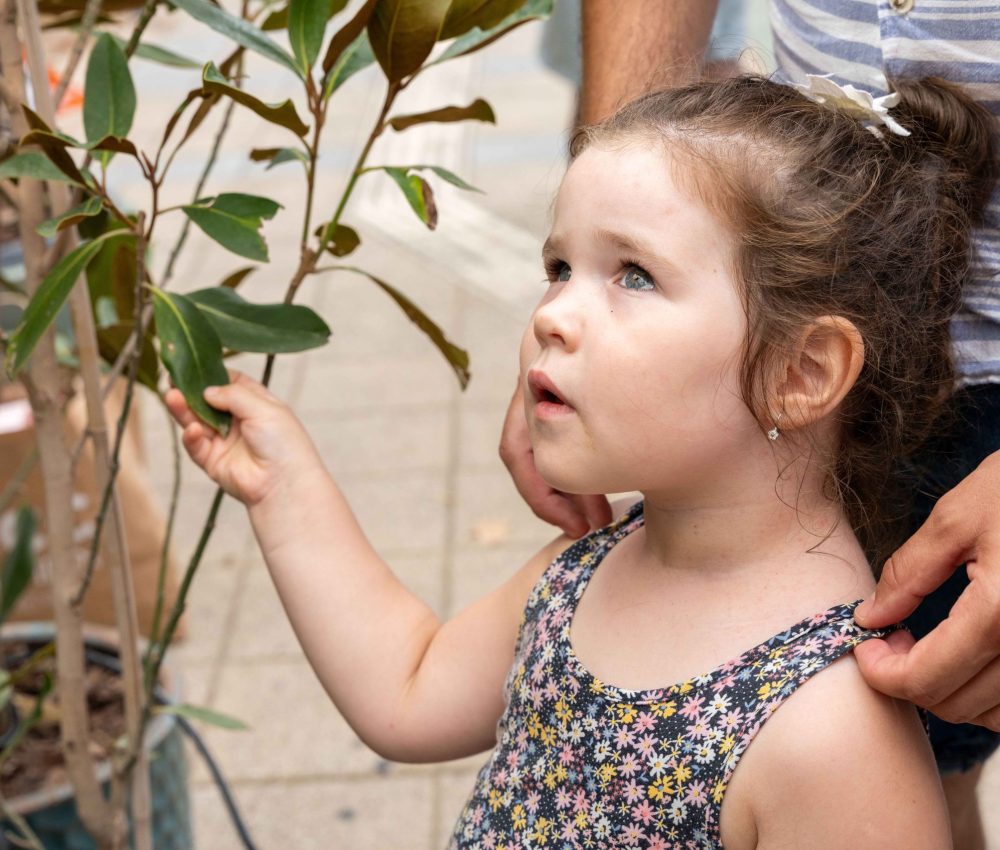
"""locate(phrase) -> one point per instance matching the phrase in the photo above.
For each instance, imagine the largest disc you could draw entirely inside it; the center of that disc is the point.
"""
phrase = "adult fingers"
(178, 407)
(236, 398)
(978, 701)
(929, 671)
(921, 564)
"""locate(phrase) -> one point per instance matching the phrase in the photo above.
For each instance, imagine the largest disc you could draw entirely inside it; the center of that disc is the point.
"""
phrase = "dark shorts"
(942, 464)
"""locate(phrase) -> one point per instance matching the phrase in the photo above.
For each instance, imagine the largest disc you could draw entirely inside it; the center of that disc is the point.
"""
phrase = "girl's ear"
(821, 370)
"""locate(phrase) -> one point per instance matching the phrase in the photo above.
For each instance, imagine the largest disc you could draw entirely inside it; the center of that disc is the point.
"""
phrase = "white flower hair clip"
(855, 102)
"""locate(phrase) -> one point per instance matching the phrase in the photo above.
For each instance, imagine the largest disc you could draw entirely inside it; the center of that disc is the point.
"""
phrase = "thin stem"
(91, 13)
(7, 96)
(140, 27)
(27, 833)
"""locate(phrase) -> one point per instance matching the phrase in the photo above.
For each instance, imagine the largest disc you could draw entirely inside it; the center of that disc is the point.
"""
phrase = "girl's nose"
(558, 320)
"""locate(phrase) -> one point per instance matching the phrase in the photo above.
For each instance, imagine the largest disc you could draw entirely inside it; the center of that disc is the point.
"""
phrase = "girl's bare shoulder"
(837, 765)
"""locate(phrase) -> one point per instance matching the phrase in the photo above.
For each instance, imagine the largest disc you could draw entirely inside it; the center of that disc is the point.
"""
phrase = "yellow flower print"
(765, 690)
(561, 773)
(580, 820)
(718, 790)
(626, 713)
(546, 592)
(661, 788)
(550, 780)
(496, 799)
(597, 686)
(520, 817)
(543, 830)
(563, 712)
(687, 686)
(682, 773)
(606, 772)
(727, 743)
(664, 709)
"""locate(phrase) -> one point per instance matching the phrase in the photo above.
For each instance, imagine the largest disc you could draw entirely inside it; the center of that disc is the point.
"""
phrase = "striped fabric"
(864, 41)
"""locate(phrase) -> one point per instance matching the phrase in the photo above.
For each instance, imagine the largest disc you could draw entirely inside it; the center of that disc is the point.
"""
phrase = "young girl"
(746, 321)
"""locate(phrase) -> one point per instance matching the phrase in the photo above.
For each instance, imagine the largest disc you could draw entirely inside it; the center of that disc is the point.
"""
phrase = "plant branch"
(13, 487)
(8, 97)
(91, 12)
(27, 836)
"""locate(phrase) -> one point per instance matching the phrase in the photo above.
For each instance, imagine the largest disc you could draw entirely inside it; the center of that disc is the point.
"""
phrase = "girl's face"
(639, 335)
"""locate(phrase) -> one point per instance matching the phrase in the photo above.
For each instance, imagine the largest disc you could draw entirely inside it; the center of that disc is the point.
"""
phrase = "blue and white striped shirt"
(864, 41)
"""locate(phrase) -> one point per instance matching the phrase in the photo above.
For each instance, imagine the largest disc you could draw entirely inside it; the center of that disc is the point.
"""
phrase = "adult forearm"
(363, 632)
(634, 47)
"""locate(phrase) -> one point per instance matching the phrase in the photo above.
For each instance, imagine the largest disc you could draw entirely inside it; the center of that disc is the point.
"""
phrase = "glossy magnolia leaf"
(115, 144)
(19, 564)
(403, 33)
(277, 156)
(261, 328)
(418, 194)
(233, 220)
(111, 339)
(90, 207)
(238, 30)
(233, 280)
(458, 358)
(109, 95)
(347, 35)
(205, 715)
(343, 240)
(478, 110)
(160, 55)
(276, 20)
(356, 57)
(283, 114)
(477, 38)
(208, 101)
(48, 298)
(54, 145)
(463, 15)
(448, 176)
(111, 275)
(37, 166)
(306, 27)
(191, 351)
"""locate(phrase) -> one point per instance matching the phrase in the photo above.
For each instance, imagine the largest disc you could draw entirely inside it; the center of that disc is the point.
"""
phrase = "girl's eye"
(557, 270)
(637, 279)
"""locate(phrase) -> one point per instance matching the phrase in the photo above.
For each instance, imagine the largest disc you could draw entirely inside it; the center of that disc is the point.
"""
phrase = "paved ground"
(415, 456)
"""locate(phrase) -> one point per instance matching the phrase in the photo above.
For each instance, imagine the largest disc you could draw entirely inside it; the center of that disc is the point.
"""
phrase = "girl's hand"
(266, 443)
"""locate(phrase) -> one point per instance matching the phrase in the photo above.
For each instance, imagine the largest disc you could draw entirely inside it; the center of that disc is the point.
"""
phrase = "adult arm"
(954, 671)
(631, 48)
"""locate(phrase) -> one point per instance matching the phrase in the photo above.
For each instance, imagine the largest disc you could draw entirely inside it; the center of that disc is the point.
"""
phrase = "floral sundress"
(581, 764)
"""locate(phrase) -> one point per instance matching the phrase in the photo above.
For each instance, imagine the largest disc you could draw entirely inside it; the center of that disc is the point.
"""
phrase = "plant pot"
(51, 812)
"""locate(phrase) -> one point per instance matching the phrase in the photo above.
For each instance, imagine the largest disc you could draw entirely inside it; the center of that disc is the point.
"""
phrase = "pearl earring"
(774, 433)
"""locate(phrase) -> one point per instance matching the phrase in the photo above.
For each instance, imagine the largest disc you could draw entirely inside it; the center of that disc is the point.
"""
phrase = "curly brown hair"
(832, 219)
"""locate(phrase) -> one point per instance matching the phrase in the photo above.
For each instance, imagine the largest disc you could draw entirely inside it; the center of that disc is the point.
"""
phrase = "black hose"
(113, 663)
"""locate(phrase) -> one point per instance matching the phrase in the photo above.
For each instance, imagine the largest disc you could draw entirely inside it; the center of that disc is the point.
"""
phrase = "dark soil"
(37, 762)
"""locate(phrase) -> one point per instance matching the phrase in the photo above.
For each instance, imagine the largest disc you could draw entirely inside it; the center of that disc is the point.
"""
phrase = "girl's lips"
(552, 410)
(544, 391)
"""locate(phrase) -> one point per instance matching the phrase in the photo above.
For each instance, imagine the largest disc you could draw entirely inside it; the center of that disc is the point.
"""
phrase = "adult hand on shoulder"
(954, 671)
(575, 515)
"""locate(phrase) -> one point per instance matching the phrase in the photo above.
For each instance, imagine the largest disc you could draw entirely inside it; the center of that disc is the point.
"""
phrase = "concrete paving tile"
(262, 630)
(989, 801)
(378, 442)
(295, 730)
(490, 512)
(454, 791)
(478, 570)
(375, 813)
(480, 425)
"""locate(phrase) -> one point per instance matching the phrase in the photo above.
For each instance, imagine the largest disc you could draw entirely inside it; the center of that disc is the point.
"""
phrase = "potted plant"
(125, 320)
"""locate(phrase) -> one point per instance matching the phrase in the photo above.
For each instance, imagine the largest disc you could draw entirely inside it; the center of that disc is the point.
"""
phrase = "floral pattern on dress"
(581, 764)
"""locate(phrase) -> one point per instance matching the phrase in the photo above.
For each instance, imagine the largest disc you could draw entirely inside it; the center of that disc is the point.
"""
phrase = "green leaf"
(283, 114)
(35, 165)
(191, 351)
(463, 15)
(19, 564)
(238, 30)
(458, 358)
(90, 207)
(417, 192)
(277, 156)
(54, 145)
(277, 20)
(342, 241)
(237, 277)
(206, 715)
(403, 33)
(111, 275)
(306, 26)
(111, 339)
(155, 53)
(262, 328)
(348, 35)
(449, 177)
(356, 57)
(233, 220)
(478, 110)
(49, 297)
(115, 144)
(477, 38)
(109, 95)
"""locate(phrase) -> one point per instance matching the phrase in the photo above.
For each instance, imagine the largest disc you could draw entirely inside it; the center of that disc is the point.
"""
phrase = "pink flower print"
(810, 646)
(724, 683)
(629, 765)
(643, 813)
(646, 746)
(657, 842)
(490, 840)
(696, 794)
(551, 689)
(522, 739)
(630, 835)
(698, 729)
(838, 639)
(477, 816)
(532, 801)
(563, 799)
(580, 801)
(512, 759)
(566, 754)
(634, 791)
(644, 722)
(732, 719)
(537, 671)
(500, 777)
(692, 707)
(624, 737)
(570, 832)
